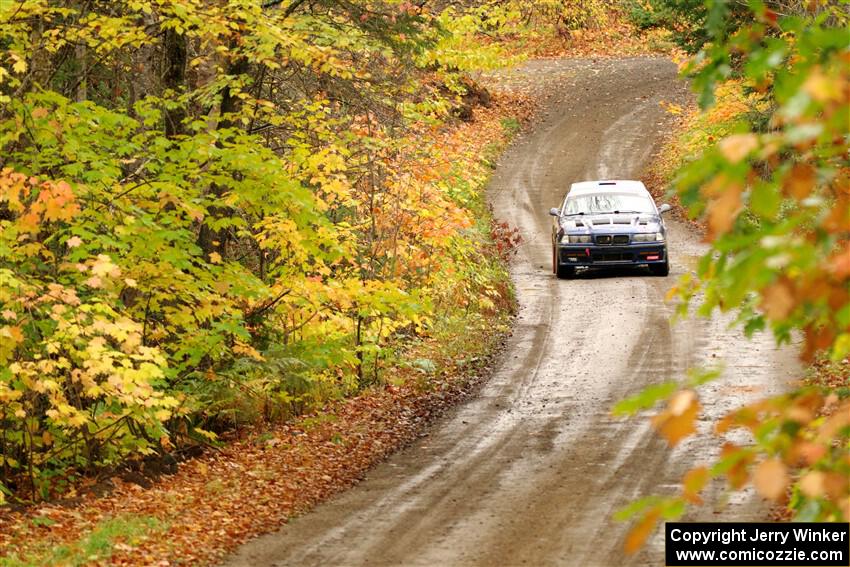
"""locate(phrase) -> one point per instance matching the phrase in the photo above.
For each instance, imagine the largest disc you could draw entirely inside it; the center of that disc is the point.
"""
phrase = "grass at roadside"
(108, 537)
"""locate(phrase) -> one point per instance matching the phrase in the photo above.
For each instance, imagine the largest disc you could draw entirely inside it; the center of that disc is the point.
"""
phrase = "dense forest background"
(214, 213)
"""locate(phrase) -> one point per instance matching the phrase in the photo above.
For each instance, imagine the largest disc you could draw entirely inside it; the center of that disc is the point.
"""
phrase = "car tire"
(565, 272)
(660, 269)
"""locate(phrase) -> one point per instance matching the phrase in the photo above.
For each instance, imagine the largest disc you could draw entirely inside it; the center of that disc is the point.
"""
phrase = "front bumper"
(595, 255)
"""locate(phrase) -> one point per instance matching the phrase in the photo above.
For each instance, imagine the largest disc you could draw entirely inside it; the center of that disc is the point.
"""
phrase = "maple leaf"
(693, 482)
(771, 478)
(738, 146)
(812, 484)
(640, 532)
(723, 210)
(678, 420)
(800, 182)
(103, 266)
(778, 300)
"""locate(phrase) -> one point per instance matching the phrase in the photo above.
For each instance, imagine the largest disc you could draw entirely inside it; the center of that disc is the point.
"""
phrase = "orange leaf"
(723, 210)
(812, 484)
(840, 262)
(800, 181)
(817, 339)
(738, 146)
(678, 420)
(771, 478)
(836, 486)
(777, 300)
(638, 534)
(693, 482)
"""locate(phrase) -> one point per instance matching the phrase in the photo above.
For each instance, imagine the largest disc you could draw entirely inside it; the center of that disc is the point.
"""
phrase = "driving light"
(579, 238)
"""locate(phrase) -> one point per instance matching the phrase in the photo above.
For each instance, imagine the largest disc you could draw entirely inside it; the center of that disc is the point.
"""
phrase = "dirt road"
(530, 472)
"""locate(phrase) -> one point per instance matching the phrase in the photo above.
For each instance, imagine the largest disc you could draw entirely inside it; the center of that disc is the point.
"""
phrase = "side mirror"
(664, 208)
(554, 212)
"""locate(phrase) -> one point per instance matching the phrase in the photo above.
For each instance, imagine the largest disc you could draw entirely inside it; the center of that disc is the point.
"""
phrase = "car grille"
(613, 257)
(606, 239)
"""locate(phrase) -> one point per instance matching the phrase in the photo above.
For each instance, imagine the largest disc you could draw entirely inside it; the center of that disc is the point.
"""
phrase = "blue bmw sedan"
(609, 223)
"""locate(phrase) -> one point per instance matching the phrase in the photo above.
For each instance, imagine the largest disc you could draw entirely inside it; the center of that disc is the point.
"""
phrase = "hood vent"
(601, 221)
(622, 220)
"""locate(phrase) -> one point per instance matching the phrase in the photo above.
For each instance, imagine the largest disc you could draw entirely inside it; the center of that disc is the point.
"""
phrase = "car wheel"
(660, 269)
(565, 272)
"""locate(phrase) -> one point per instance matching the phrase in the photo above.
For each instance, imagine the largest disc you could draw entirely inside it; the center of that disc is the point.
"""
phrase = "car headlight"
(579, 238)
(648, 237)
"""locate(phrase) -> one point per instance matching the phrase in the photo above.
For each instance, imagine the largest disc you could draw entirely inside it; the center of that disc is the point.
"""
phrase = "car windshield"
(597, 203)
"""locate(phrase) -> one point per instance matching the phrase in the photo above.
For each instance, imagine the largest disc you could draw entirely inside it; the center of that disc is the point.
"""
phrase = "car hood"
(612, 223)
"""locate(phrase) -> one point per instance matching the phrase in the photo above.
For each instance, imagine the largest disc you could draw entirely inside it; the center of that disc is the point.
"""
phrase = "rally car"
(609, 223)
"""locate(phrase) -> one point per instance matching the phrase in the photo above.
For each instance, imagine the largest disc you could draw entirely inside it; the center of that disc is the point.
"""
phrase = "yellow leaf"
(73, 242)
(770, 479)
(821, 87)
(248, 350)
(215, 258)
(13, 333)
(103, 266)
(738, 146)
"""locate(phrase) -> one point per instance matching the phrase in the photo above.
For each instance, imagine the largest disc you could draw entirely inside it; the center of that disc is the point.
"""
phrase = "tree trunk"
(210, 240)
(174, 79)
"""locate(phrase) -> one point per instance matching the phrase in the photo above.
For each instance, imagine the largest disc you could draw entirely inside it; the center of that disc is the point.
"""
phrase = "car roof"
(608, 186)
